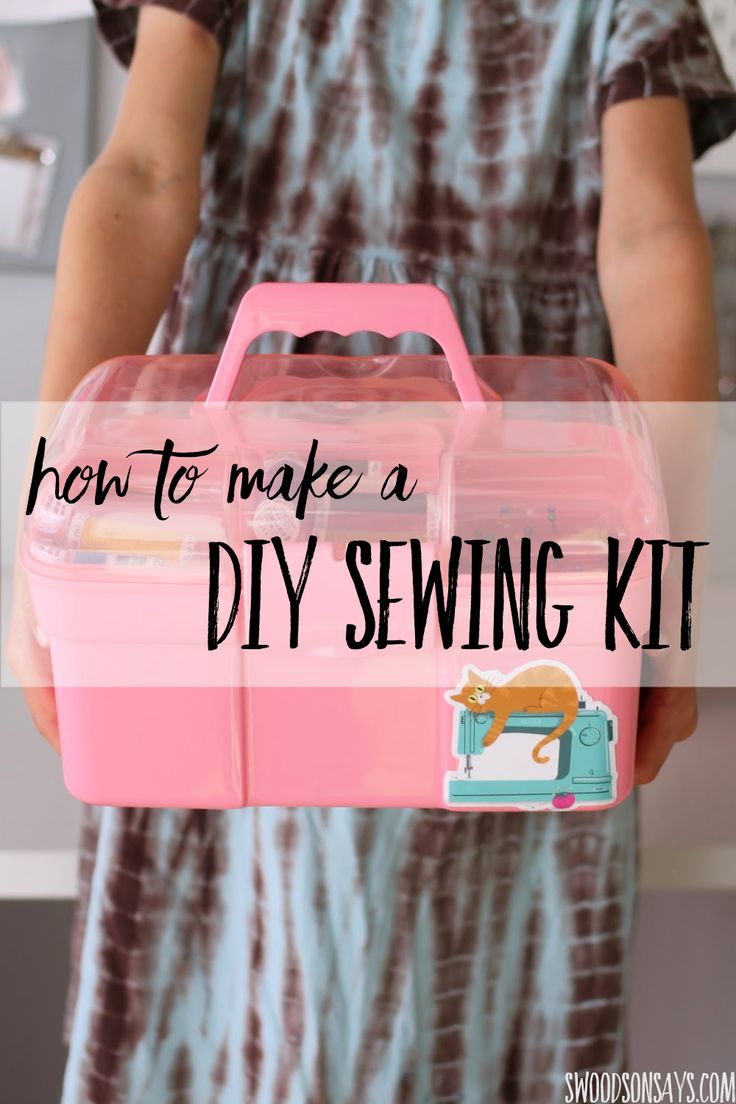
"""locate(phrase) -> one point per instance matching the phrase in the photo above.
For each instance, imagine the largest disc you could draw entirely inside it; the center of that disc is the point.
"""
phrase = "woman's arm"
(654, 267)
(133, 215)
(126, 233)
(654, 260)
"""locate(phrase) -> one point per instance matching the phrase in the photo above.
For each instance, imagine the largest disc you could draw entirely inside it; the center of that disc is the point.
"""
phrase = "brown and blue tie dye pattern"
(347, 956)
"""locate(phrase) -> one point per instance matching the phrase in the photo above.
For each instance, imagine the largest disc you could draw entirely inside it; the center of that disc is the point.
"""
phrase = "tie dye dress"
(339, 956)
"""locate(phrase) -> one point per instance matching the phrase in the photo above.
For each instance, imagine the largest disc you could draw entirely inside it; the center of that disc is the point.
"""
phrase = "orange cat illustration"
(539, 689)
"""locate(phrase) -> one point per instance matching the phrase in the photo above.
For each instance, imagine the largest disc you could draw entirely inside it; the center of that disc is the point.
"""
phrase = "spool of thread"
(275, 518)
(52, 516)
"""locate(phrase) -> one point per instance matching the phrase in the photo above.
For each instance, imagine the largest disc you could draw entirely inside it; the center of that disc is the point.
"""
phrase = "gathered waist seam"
(456, 269)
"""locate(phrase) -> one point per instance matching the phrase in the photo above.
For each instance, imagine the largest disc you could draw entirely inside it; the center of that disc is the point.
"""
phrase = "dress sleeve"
(665, 49)
(118, 20)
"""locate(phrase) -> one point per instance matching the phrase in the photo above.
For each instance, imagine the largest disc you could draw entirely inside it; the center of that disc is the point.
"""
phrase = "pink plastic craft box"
(537, 448)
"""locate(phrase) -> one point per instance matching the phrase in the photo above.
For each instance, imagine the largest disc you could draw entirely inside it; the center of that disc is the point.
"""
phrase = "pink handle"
(388, 309)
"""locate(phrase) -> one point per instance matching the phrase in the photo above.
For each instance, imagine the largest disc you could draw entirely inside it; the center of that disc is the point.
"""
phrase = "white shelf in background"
(711, 867)
(52, 875)
(38, 875)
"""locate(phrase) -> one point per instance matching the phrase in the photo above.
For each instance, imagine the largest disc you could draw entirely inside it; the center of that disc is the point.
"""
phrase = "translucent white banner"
(344, 544)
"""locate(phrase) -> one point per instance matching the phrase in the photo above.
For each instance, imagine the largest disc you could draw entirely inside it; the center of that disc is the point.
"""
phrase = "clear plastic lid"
(564, 456)
(394, 378)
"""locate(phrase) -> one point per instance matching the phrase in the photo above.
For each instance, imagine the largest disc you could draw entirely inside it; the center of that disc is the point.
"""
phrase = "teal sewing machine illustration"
(585, 765)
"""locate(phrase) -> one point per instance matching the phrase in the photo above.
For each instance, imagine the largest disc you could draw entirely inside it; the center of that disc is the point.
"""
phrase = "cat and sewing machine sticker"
(530, 740)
